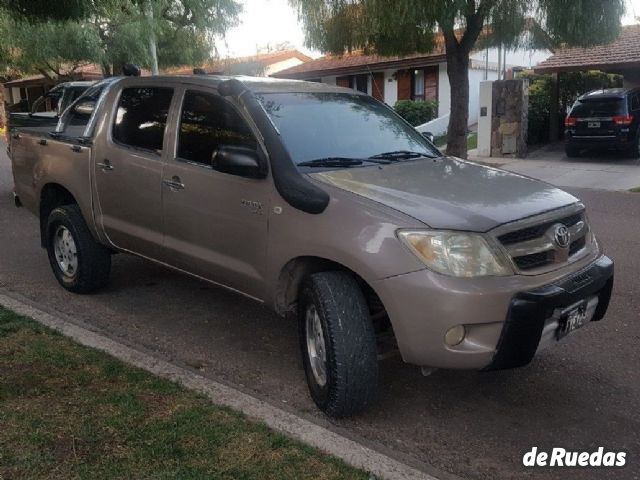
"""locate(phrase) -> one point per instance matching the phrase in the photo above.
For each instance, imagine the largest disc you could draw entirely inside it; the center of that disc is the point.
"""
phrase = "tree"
(410, 26)
(151, 33)
(54, 49)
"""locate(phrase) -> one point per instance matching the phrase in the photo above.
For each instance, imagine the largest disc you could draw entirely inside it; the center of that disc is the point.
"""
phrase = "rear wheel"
(571, 151)
(80, 264)
(338, 344)
(634, 150)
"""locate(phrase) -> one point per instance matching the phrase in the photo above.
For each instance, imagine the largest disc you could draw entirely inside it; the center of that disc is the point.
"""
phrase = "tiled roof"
(89, 71)
(623, 52)
(263, 59)
(339, 64)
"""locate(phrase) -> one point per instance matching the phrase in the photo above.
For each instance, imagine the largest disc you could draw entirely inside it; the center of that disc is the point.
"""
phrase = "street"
(580, 394)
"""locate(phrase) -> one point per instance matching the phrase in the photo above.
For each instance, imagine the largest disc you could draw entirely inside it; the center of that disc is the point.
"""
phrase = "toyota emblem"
(561, 236)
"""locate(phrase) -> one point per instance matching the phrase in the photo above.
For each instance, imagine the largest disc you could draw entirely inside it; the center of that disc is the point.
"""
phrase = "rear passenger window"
(207, 122)
(635, 103)
(75, 122)
(142, 117)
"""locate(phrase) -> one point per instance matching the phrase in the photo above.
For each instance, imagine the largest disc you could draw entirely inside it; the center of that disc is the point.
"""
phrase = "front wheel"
(80, 264)
(338, 344)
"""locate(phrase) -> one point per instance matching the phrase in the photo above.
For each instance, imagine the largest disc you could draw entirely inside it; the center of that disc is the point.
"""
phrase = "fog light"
(454, 335)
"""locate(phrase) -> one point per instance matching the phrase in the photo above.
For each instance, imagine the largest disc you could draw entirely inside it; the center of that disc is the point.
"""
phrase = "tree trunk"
(153, 50)
(458, 73)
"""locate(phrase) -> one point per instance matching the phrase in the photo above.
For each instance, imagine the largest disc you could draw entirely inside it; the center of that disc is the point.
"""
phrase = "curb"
(284, 422)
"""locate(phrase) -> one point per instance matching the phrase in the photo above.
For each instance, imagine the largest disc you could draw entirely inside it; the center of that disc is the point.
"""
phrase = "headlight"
(458, 254)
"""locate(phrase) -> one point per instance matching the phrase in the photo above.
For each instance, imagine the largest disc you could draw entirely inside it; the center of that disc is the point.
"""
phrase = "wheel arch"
(297, 269)
(52, 195)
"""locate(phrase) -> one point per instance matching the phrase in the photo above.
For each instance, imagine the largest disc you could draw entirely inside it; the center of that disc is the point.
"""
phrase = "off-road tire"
(94, 260)
(351, 356)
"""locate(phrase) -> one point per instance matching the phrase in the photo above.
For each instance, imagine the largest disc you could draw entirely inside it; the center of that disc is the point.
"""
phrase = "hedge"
(416, 113)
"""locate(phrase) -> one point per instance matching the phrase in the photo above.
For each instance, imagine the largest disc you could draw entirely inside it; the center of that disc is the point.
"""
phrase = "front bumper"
(530, 311)
(504, 317)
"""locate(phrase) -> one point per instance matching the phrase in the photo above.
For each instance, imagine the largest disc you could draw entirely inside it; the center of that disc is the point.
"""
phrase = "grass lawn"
(67, 411)
(472, 141)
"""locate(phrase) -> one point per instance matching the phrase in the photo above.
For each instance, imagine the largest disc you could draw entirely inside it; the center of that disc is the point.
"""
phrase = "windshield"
(341, 125)
(599, 108)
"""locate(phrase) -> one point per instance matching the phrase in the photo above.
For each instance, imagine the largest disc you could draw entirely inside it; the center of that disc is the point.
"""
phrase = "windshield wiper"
(400, 155)
(332, 162)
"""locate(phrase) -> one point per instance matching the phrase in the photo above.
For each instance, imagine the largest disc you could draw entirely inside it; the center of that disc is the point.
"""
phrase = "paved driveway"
(605, 171)
(581, 394)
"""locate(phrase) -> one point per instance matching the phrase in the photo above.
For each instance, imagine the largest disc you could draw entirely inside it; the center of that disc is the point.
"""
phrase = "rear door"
(128, 167)
(215, 223)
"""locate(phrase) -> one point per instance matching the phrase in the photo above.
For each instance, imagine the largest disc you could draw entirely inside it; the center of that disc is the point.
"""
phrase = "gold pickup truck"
(323, 204)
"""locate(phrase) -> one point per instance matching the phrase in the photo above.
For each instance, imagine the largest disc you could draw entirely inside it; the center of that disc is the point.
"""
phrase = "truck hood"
(450, 193)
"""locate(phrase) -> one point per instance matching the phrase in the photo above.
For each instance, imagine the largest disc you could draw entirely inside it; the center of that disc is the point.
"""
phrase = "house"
(261, 65)
(412, 77)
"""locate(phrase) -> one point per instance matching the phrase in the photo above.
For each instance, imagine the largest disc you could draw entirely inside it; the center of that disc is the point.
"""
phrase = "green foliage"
(574, 84)
(539, 109)
(416, 113)
(409, 26)
(571, 86)
(114, 32)
(47, 9)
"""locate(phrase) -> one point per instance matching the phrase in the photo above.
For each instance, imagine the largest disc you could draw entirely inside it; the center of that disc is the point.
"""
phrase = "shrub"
(539, 111)
(416, 113)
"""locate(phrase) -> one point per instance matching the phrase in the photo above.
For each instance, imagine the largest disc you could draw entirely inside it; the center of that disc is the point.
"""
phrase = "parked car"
(605, 119)
(47, 109)
(326, 206)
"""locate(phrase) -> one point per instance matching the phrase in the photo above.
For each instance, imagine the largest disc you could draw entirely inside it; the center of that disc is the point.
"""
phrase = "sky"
(269, 22)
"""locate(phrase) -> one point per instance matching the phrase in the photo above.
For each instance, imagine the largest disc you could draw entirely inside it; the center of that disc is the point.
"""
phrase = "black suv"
(604, 119)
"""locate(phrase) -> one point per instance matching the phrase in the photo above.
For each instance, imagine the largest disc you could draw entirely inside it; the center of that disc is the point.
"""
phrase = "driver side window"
(208, 122)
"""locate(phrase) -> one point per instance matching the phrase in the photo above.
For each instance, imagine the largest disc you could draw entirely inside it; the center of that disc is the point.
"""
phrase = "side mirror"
(236, 160)
(85, 107)
(428, 135)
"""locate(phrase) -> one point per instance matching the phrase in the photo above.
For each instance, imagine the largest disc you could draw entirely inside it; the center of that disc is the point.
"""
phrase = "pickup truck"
(326, 206)
(47, 109)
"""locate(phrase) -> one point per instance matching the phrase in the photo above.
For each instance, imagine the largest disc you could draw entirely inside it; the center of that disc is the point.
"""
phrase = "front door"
(215, 223)
(128, 170)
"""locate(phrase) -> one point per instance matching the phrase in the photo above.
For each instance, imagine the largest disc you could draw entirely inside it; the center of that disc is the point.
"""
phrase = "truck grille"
(536, 231)
(540, 244)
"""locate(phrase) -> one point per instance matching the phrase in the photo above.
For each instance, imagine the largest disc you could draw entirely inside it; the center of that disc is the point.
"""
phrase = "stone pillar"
(509, 119)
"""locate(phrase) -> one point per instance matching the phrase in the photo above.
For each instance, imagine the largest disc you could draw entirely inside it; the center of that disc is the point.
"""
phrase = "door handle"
(174, 184)
(16, 136)
(105, 166)
(76, 148)
(42, 141)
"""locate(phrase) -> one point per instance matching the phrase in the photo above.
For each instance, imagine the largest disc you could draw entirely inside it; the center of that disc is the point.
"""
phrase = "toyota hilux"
(326, 206)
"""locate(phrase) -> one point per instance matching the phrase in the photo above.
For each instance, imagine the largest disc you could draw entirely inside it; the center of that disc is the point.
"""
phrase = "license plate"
(572, 318)
(593, 124)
